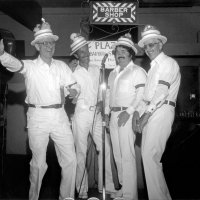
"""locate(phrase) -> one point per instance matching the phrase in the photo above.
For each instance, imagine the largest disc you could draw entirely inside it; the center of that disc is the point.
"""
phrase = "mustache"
(86, 56)
(120, 57)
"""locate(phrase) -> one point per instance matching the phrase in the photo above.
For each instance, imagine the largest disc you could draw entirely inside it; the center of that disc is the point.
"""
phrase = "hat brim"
(123, 44)
(144, 39)
(78, 47)
(42, 38)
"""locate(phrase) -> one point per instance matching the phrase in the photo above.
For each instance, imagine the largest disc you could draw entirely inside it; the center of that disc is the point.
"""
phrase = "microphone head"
(104, 59)
(106, 55)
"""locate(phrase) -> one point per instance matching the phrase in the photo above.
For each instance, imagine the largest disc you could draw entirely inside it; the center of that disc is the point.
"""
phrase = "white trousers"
(154, 138)
(123, 140)
(43, 123)
(84, 122)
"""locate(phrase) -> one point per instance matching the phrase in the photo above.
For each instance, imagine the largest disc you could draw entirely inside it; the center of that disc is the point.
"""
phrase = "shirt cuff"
(130, 110)
(1, 56)
(151, 108)
(77, 87)
(107, 110)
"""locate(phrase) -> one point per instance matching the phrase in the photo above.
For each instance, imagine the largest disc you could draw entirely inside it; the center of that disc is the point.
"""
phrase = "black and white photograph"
(99, 100)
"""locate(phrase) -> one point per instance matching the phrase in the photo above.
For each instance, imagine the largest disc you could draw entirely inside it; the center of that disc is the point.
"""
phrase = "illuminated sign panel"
(107, 12)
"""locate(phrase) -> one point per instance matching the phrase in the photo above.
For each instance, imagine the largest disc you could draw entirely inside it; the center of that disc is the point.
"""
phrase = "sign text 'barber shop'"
(112, 13)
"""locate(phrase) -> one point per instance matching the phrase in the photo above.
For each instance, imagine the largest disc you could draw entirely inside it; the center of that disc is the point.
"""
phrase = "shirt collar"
(41, 62)
(128, 66)
(78, 67)
(158, 59)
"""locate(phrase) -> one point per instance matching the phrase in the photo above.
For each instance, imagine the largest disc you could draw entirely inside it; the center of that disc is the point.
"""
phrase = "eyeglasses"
(48, 43)
(150, 45)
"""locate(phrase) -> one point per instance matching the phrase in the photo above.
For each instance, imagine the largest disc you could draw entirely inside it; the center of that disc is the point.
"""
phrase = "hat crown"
(75, 36)
(77, 42)
(43, 27)
(43, 31)
(127, 36)
(149, 29)
(126, 40)
(151, 32)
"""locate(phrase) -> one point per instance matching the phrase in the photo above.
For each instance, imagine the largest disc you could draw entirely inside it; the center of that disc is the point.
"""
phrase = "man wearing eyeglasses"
(155, 114)
(45, 80)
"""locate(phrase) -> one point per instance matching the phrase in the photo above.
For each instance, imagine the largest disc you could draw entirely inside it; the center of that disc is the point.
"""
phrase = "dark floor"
(181, 164)
(15, 182)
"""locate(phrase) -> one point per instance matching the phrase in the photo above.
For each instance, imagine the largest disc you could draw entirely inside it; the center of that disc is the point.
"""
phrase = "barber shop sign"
(108, 12)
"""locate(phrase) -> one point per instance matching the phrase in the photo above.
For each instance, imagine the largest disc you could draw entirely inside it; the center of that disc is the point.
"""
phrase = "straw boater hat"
(77, 41)
(43, 31)
(125, 40)
(150, 32)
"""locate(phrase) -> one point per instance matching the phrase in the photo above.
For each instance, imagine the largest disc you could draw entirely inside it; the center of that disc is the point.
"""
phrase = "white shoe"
(83, 196)
(112, 196)
(117, 194)
(107, 192)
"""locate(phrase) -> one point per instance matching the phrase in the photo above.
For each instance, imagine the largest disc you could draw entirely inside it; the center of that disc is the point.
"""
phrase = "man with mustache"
(125, 89)
(155, 114)
(45, 79)
(87, 119)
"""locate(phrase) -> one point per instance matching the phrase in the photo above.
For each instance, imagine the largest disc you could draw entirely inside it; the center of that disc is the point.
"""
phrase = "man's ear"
(76, 56)
(160, 45)
(37, 46)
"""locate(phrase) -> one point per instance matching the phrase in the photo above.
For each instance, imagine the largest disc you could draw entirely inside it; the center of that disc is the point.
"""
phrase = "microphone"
(104, 59)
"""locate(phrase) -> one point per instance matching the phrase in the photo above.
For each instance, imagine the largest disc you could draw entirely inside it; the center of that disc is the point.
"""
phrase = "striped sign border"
(95, 19)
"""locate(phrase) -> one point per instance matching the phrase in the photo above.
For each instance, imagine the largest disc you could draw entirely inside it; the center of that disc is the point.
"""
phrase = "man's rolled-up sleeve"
(11, 63)
(140, 80)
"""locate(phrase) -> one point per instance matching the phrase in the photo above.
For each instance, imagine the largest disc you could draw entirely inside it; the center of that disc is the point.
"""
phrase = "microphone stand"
(103, 84)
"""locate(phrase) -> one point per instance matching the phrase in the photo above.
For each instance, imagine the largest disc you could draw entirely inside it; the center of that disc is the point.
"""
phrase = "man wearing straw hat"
(45, 78)
(157, 110)
(87, 118)
(125, 89)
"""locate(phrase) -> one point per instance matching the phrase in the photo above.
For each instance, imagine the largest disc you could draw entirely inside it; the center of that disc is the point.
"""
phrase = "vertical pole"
(103, 89)
(103, 131)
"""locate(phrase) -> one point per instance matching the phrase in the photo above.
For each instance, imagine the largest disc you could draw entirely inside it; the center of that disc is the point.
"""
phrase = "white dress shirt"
(163, 82)
(125, 88)
(89, 83)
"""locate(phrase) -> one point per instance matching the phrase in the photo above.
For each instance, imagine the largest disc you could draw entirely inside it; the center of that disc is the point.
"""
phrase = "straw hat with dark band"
(151, 32)
(43, 31)
(77, 41)
(125, 40)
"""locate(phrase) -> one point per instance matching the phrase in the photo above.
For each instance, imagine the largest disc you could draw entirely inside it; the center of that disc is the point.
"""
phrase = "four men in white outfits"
(135, 101)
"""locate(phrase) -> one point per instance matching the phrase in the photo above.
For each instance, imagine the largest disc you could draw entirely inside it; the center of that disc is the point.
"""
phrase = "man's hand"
(73, 95)
(136, 122)
(99, 106)
(144, 119)
(107, 120)
(1, 47)
(123, 118)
